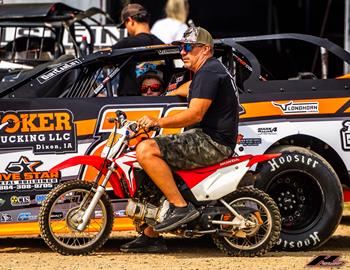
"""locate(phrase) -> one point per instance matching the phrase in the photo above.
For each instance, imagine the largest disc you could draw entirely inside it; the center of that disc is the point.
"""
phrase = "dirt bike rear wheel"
(58, 219)
(254, 241)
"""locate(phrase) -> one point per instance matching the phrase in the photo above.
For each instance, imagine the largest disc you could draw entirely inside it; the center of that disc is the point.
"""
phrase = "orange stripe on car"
(85, 127)
(266, 108)
(32, 228)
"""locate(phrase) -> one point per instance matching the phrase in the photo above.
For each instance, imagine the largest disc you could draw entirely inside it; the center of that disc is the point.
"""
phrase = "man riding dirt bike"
(77, 216)
(213, 109)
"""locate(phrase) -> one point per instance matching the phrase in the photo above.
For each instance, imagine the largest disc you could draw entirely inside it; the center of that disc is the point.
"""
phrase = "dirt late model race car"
(38, 33)
(52, 113)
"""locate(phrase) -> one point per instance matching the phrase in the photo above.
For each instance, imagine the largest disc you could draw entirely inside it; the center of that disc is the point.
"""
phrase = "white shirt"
(168, 29)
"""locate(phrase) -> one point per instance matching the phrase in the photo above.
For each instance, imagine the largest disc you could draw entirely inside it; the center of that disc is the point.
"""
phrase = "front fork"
(99, 192)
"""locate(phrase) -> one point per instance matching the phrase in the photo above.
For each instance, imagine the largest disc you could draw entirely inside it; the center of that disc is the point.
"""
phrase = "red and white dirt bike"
(77, 216)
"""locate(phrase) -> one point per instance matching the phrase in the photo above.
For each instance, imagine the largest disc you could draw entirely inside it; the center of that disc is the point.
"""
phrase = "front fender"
(96, 162)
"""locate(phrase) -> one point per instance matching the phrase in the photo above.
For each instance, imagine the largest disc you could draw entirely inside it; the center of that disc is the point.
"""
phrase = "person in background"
(135, 19)
(151, 84)
(174, 25)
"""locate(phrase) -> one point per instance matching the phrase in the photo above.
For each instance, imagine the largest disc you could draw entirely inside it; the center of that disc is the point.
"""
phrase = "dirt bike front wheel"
(60, 216)
(263, 217)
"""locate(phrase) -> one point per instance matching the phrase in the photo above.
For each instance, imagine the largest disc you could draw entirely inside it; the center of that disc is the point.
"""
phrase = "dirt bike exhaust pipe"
(87, 214)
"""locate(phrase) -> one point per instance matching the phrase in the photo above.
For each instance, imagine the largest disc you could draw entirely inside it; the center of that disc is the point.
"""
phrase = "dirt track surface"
(201, 254)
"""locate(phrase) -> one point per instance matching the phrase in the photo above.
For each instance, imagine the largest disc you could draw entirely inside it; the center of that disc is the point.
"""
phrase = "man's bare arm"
(194, 114)
(182, 91)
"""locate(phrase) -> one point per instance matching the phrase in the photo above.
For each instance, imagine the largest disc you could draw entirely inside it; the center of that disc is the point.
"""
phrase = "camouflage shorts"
(191, 149)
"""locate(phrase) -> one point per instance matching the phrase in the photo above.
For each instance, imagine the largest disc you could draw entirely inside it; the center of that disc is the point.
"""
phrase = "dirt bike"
(77, 216)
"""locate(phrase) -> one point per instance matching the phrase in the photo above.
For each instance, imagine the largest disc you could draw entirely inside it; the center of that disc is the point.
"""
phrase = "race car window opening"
(31, 45)
(242, 62)
(106, 83)
(290, 64)
(96, 81)
(84, 84)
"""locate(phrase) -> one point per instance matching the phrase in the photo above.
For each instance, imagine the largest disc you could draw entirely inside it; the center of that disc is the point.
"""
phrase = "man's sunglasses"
(187, 47)
(156, 87)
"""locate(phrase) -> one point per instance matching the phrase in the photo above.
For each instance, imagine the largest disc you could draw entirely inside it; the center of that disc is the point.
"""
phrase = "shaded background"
(225, 18)
(233, 18)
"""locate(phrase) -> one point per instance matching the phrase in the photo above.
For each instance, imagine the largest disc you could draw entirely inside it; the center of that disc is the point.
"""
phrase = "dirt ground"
(201, 254)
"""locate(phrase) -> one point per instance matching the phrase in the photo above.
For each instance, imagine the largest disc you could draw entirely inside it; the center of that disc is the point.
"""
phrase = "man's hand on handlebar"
(147, 122)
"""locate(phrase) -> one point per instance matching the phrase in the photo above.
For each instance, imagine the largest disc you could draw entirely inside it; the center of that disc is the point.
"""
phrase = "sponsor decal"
(277, 162)
(229, 162)
(179, 79)
(326, 260)
(174, 83)
(56, 215)
(21, 175)
(5, 217)
(52, 73)
(250, 141)
(120, 213)
(345, 136)
(101, 37)
(98, 214)
(40, 198)
(47, 131)
(312, 240)
(241, 110)
(20, 200)
(2, 201)
(292, 107)
(267, 130)
(168, 51)
(27, 216)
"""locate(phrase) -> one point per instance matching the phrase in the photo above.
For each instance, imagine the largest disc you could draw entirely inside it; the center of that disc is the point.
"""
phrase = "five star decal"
(23, 165)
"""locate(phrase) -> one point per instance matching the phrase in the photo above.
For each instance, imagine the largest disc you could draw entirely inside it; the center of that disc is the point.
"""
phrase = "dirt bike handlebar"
(121, 119)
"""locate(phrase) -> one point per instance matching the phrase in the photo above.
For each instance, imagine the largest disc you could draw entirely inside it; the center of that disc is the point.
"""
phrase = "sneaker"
(145, 244)
(177, 216)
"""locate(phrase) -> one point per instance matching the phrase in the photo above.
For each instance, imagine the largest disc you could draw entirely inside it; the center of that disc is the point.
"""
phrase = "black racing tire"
(308, 193)
(51, 220)
(269, 230)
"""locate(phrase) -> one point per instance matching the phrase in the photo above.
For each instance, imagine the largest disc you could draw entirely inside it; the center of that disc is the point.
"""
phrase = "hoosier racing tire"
(308, 194)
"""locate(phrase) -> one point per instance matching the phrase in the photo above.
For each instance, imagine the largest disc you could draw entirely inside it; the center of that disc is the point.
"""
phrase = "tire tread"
(44, 219)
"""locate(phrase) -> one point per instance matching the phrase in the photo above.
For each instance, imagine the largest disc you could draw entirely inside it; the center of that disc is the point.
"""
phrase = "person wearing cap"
(211, 120)
(151, 84)
(135, 19)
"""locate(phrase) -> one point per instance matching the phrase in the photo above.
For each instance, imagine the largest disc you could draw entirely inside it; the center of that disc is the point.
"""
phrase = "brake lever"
(147, 130)
(155, 129)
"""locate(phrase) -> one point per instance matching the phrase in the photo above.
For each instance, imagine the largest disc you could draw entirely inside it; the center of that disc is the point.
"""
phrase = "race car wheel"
(308, 194)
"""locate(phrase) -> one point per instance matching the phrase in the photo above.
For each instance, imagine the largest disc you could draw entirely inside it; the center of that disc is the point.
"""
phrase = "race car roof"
(37, 12)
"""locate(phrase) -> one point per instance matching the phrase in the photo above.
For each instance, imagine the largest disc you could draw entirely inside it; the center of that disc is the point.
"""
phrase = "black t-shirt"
(127, 82)
(220, 122)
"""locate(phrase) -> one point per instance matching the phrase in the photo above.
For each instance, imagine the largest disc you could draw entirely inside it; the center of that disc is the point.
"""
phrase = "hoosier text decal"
(43, 131)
